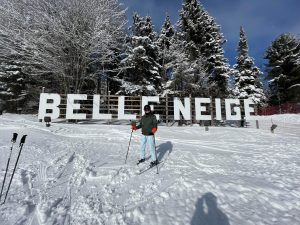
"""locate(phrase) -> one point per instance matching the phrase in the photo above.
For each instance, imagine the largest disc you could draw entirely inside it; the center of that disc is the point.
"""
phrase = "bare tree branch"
(61, 37)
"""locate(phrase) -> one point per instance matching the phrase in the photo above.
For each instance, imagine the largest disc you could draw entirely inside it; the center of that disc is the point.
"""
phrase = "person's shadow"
(208, 213)
(162, 149)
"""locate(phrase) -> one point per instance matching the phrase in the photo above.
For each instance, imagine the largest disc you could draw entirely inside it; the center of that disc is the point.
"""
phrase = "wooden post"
(167, 110)
(257, 124)
(43, 91)
(212, 111)
(255, 111)
(141, 106)
(108, 105)
(191, 110)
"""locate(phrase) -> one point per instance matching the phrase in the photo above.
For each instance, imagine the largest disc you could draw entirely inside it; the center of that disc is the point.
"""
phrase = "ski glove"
(133, 127)
(154, 130)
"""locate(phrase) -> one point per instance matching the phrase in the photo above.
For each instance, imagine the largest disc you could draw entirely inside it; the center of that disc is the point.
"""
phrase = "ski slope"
(75, 174)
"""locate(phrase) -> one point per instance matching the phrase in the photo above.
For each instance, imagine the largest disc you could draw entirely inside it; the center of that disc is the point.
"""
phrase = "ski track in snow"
(75, 174)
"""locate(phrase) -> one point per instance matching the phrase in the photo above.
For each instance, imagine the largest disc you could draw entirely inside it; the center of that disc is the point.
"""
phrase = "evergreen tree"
(247, 83)
(12, 87)
(203, 40)
(185, 68)
(142, 73)
(167, 32)
(165, 40)
(20, 91)
(187, 76)
(283, 68)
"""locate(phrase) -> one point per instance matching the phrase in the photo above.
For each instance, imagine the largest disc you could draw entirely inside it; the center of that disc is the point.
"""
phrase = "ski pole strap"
(23, 140)
(15, 135)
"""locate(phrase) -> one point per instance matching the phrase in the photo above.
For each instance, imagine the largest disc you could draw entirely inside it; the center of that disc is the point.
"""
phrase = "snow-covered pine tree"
(19, 91)
(165, 40)
(185, 68)
(247, 83)
(204, 39)
(166, 34)
(12, 87)
(283, 69)
(187, 76)
(142, 73)
(217, 65)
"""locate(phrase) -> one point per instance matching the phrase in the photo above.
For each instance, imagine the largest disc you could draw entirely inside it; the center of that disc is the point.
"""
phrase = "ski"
(147, 168)
(22, 141)
(13, 140)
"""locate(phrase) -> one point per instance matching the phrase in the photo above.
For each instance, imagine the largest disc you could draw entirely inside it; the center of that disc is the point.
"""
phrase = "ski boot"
(141, 161)
(154, 163)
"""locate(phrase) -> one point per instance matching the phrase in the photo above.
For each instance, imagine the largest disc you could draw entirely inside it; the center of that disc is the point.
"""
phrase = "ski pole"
(155, 153)
(13, 140)
(12, 176)
(129, 145)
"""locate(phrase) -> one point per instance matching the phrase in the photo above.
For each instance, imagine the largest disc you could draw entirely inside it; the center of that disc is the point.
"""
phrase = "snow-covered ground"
(75, 174)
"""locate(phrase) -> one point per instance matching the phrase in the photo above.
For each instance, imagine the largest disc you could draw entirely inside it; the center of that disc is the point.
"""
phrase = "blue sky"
(263, 20)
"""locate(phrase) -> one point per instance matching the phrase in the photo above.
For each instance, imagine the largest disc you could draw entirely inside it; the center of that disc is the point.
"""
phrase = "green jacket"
(147, 123)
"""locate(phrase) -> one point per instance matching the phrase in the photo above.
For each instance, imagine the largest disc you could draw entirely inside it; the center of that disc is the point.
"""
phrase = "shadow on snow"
(208, 213)
(163, 149)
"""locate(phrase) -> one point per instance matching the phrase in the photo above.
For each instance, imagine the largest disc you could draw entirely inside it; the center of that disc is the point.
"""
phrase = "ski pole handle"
(14, 139)
(23, 140)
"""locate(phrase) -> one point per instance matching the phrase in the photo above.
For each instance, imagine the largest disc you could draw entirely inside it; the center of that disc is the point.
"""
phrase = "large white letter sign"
(185, 110)
(218, 109)
(248, 109)
(44, 105)
(121, 113)
(96, 108)
(200, 108)
(237, 110)
(146, 100)
(71, 106)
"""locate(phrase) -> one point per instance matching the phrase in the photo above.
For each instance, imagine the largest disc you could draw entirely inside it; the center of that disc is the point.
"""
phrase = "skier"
(148, 123)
